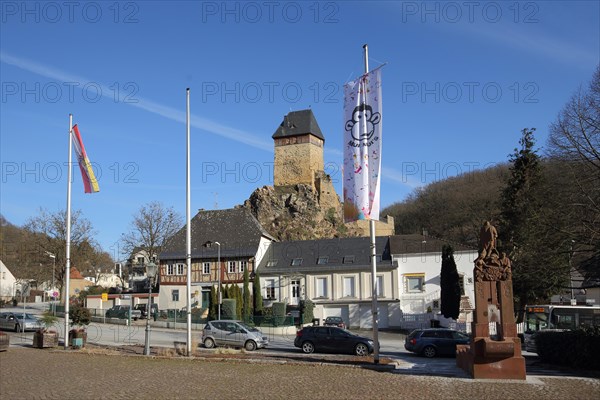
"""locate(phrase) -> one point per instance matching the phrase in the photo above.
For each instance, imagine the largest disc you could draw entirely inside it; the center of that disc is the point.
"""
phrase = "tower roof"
(299, 123)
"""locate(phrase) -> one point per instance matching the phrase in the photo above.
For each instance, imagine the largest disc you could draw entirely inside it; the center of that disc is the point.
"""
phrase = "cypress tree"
(246, 303)
(450, 286)
(257, 295)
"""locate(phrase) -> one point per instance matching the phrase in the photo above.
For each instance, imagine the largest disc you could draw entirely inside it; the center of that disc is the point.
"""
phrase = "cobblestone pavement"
(28, 373)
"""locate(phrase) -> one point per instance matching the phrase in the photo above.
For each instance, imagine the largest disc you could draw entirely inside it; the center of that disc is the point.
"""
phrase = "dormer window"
(296, 261)
(322, 260)
(271, 263)
(348, 260)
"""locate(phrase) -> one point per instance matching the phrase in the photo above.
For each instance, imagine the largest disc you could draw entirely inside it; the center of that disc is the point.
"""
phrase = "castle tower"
(298, 150)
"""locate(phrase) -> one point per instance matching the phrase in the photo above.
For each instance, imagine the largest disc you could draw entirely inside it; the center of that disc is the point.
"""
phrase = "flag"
(362, 147)
(90, 182)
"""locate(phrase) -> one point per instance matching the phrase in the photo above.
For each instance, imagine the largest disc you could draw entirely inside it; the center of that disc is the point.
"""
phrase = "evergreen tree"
(257, 295)
(237, 295)
(213, 304)
(246, 305)
(526, 234)
(450, 286)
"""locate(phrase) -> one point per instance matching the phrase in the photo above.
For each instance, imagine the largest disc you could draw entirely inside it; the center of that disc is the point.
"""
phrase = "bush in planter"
(46, 337)
(80, 317)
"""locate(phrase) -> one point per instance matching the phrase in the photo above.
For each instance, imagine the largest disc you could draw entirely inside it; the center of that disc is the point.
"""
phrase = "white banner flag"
(362, 147)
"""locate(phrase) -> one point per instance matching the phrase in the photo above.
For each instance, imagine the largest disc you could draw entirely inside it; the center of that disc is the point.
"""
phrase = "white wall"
(430, 264)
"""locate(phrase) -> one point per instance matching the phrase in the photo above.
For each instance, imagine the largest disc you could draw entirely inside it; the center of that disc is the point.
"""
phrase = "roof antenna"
(216, 200)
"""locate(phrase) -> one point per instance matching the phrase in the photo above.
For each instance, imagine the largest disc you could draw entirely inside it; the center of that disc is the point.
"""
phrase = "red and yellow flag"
(87, 173)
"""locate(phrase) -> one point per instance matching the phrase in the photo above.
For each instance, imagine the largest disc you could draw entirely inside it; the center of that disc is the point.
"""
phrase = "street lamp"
(219, 279)
(151, 270)
(53, 257)
(209, 244)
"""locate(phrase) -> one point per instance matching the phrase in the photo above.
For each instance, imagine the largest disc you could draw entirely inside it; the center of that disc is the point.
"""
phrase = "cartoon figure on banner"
(363, 112)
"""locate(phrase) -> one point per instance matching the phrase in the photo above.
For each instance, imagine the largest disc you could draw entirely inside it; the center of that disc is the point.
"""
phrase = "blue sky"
(461, 81)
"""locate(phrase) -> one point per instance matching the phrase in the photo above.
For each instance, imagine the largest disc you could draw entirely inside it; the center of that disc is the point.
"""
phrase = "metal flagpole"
(68, 246)
(188, 251)
(374, 307)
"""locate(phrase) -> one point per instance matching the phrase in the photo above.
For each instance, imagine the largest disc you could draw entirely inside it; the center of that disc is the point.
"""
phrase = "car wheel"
(429, 351)
(361, 349)
(250, 345)
(17, 328)
(209, 343)
(308, 347)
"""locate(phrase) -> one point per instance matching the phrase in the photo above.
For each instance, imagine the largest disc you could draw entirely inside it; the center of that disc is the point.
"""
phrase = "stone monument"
(498, 356)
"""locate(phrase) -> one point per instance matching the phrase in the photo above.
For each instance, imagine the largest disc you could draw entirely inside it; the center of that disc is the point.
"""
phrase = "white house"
(335, 274)
(419, 260)
(8, 283)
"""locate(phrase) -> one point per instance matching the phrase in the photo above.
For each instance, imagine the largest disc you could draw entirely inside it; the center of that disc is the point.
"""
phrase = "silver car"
(233, 333)
(16, 322)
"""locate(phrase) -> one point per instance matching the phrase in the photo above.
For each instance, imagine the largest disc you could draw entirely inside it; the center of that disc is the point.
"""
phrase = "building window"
(322, 260)
(380, 286)
(153, 259)
(140, 260)
(348, 290)
(170, 269)
(321, 287)
(348, 260)
(231, 267)
(271, 263)
(461, 283)
(206, 268)
(243, 266)
(175, 295)
(296, 261)
(270, 289)
(414, 283)
(180, 269)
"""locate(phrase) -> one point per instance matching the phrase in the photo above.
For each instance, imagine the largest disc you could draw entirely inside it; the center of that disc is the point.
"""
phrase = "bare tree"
(574, 142)
(48, 232)
(151, 227)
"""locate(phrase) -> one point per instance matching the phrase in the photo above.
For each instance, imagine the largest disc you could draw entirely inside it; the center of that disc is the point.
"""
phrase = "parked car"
(335, 321)
(16, 322)
(435, 341)
(122, 312)
(232, 333)
(332, 339)
(142, 308)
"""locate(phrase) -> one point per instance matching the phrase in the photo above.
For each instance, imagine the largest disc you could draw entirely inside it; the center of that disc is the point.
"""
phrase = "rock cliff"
(297, 213)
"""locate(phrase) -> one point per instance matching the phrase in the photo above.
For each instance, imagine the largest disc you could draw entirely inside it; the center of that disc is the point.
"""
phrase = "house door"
(295, 293)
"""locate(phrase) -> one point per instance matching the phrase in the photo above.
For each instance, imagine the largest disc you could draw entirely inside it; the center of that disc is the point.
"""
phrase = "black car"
(435, 341)
(332, 339)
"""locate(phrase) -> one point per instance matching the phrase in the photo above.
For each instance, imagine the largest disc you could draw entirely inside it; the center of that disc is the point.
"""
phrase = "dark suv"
(332, 339)
(435, 341)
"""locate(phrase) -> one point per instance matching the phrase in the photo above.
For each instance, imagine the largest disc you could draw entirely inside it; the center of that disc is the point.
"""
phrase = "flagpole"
(374, 308)
(68, 246)
(188, 251)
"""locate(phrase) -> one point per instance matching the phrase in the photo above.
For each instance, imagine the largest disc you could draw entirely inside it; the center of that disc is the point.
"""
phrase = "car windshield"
(248, 328)
(27, 316)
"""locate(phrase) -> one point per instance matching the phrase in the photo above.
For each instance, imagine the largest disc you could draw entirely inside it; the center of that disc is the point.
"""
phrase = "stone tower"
(298, 150)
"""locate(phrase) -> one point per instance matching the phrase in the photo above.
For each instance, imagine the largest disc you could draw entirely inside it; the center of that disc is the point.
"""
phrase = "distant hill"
(454, 208)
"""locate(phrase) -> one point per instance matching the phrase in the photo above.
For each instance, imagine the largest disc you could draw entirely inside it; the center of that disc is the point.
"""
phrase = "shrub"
(579, 348)
(228, 309)
(278, 313)
(307, 311)
(80, 316)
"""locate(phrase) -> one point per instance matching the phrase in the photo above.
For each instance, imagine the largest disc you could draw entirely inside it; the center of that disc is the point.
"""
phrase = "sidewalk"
(60, 374)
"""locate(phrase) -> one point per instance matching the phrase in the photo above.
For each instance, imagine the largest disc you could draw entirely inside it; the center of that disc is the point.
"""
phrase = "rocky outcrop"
(297, 213)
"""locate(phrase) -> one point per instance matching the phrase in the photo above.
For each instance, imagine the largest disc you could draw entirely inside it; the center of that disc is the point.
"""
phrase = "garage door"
(366, 316)
(337, 311)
